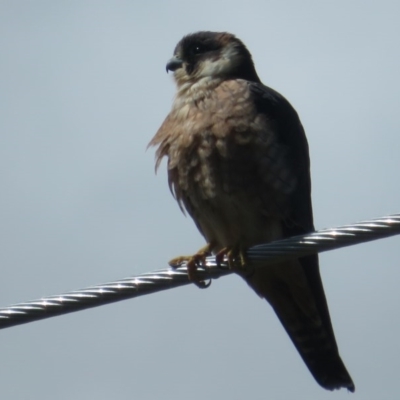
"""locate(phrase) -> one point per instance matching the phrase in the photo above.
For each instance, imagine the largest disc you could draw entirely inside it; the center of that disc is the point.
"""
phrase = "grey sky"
(83, 89)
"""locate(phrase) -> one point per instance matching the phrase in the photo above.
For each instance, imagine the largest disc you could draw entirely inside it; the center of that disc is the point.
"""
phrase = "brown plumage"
(238, 164)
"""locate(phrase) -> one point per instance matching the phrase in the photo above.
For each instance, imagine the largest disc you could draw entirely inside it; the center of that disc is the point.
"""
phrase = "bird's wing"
(298, 219)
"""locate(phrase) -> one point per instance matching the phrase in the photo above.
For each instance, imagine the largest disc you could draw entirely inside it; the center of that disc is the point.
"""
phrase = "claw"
(236, 257)
(192, 263)
(178, 261)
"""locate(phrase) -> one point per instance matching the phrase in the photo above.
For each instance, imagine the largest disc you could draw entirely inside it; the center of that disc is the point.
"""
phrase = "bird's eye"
(198, 49)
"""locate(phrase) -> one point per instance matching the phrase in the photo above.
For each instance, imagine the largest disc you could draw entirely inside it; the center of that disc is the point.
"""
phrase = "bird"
(238, 164)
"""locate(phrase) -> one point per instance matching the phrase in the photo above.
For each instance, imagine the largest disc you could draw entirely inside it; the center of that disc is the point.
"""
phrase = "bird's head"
(206, 56)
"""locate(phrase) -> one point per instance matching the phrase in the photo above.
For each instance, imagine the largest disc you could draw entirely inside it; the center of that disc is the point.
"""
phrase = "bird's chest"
(219, 184)
(213, 149)
(225, 165)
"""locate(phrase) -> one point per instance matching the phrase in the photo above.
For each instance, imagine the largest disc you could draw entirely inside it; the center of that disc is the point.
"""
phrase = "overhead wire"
(168, 278)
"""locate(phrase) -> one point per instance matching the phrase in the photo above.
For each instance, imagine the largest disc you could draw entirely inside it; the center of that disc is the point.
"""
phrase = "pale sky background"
(83, 89)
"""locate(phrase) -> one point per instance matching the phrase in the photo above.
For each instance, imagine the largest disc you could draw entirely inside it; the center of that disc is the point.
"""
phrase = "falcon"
(238, 163)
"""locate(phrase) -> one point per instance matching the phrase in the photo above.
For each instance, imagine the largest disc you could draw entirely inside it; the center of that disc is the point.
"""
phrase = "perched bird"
(238, 163)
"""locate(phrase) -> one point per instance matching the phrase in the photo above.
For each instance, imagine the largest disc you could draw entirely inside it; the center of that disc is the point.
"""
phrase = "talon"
(202, 284)
(236, 258)
(192, 263)
(219, 257)
(178, 261)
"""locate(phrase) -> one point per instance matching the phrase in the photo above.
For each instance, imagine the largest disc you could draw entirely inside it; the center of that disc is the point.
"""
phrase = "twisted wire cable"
(151, 282)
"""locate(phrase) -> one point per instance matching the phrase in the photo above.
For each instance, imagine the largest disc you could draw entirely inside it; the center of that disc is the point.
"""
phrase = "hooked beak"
(174, 63)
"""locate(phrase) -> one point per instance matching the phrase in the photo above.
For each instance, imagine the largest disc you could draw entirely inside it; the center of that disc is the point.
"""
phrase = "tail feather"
(318, 352)
(297, 297)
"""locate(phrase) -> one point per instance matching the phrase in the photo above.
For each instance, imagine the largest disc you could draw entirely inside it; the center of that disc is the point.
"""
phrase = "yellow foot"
(236, 257)
(192, 262)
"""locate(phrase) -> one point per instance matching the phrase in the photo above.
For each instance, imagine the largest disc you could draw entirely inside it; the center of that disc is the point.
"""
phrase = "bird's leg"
(237, 260)
(199, 257)
(236, 257)
(192, 262)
